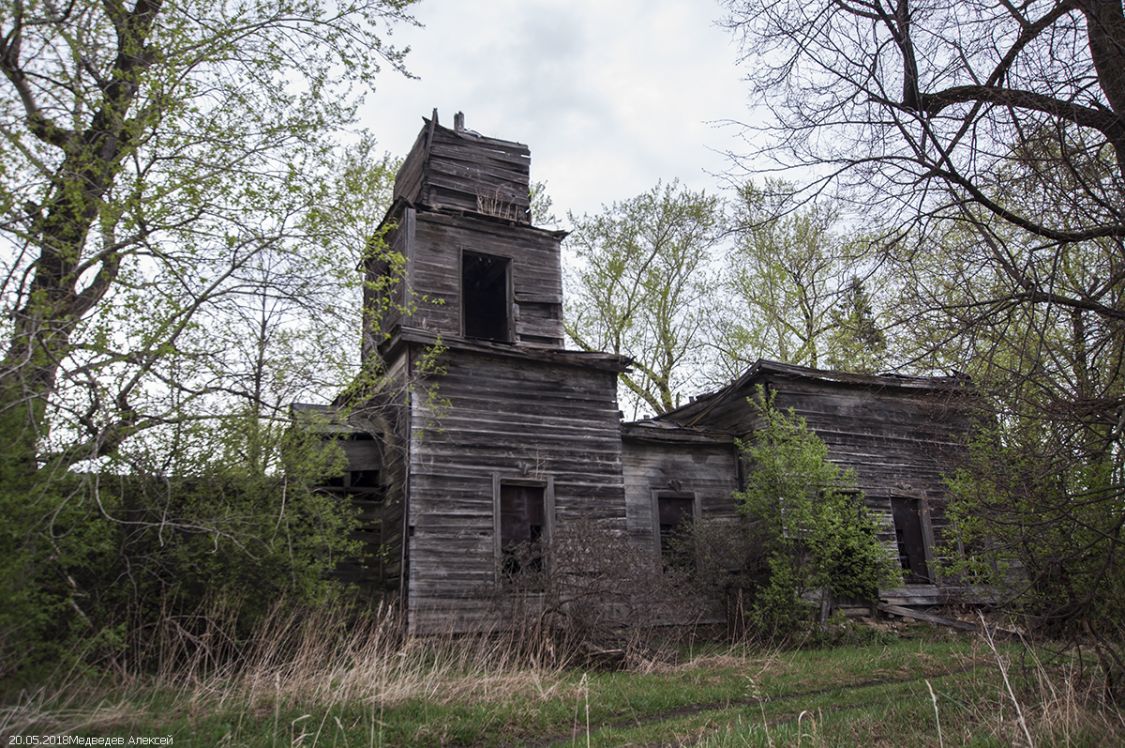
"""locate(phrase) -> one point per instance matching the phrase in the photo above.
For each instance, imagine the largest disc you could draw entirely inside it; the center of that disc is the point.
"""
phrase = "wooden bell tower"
(475, 267)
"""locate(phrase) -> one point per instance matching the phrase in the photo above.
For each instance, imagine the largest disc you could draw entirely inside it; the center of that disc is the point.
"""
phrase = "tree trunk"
(43, 327)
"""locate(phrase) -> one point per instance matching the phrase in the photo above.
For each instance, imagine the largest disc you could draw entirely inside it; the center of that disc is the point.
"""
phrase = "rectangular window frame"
(498, 481)
(508, 289)
(656, 495)
(932, 566)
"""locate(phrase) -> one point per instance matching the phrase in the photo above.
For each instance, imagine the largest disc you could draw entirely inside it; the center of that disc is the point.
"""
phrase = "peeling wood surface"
(460, 170)
(535, 265)
(378, 569)
(521, 408)
(519, 419)
(709, 472)
(899, 437)
(900, 442)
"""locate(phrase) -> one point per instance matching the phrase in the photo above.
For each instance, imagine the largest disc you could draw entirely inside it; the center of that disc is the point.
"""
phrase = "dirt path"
(557, 741)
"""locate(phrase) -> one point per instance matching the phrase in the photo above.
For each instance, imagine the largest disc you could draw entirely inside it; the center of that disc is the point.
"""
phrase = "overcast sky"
(610, 96)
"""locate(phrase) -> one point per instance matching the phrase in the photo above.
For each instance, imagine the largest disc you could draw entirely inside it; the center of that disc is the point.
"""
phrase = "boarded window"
(523, 514)
(673, 512)
(911, 540)
(485, 307)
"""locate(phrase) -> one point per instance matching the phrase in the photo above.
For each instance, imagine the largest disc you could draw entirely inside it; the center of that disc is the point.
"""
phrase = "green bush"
(1039, 515)
(809, 522)
(48, 537)
(96, 563)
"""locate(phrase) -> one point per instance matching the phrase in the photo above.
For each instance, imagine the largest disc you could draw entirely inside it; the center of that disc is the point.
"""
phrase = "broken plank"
(919, 615)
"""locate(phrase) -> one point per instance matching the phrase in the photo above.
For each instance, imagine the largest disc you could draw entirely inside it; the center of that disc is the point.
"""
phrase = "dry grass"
(1060, 704)
(312, 660)
(317, 659)
(302, 678)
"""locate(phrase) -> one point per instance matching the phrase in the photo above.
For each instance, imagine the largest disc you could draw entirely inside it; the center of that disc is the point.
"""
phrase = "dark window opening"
(522, 529)
(364, 479)
(674, 512)
(484, 296)
(910, 540)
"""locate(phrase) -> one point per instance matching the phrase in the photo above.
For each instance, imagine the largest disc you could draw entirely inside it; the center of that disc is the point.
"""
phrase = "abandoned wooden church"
(511, 436)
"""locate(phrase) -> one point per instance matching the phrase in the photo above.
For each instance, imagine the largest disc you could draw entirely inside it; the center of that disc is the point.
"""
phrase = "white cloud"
(610, 97)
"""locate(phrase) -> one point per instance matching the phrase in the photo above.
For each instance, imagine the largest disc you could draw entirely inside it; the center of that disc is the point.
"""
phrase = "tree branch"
(1098, 119)
(38, 123)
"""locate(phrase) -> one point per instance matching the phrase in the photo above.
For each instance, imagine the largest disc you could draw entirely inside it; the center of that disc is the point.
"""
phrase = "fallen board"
(919, 615)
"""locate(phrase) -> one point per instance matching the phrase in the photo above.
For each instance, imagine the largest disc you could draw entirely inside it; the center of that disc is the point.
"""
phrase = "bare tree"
(1004, 119)
(927, 106)
(985, 143)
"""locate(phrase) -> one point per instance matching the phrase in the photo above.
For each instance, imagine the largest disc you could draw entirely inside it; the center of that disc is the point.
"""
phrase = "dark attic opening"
(484, 293)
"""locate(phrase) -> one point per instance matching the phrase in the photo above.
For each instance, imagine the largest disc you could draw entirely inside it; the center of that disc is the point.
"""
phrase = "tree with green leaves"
(643, 286)
(542, 207)
(857, 342)
(153, 154)
(809, 522)
(1034, 525)
(176, 262)
(790, 278)
(987, 142)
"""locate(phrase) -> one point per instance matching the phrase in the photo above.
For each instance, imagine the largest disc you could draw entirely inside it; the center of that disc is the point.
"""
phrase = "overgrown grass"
(326, 680)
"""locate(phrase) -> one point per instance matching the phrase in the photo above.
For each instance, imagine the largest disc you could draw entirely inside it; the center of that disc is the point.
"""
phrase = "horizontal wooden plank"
(920, 615)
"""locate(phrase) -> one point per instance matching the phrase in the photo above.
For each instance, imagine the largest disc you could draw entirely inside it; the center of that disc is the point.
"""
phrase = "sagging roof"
(692, 414)
(658, 431)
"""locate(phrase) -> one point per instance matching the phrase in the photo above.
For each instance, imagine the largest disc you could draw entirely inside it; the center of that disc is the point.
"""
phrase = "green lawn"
(877, 694)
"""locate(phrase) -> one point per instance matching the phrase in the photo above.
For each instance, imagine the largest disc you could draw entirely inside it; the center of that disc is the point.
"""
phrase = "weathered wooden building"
(506, 436)
(899, 434)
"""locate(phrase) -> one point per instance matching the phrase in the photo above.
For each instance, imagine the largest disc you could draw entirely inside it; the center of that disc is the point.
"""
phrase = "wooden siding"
(365, 569)
(382, 510)
(434, 275)
(899, 440)
(462, 171)
(515, 418)
(522, 409)
(709, 471)
(470, 172)
(408, 181)
(899, 443)
(393, 300)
